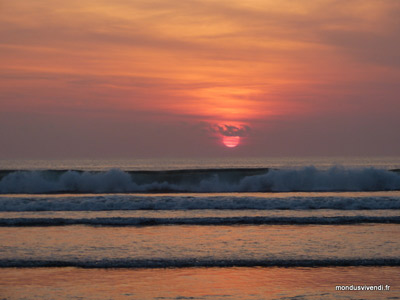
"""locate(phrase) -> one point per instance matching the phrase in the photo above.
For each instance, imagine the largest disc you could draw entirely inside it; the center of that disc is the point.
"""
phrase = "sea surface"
(257, 228)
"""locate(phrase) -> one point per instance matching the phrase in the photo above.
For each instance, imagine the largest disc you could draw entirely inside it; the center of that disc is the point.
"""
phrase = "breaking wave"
(199, 181)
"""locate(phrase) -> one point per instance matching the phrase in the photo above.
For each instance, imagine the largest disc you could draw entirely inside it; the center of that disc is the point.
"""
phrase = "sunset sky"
(140, 78)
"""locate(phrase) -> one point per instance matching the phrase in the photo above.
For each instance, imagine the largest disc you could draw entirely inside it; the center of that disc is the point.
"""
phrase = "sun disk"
(231, 141)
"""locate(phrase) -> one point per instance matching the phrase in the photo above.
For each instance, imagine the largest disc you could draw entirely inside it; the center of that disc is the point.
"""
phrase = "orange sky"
(147, 75)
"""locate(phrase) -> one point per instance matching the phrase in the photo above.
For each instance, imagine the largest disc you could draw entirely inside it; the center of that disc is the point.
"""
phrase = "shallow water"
(249, 245)
(197, 283)
(172, 246)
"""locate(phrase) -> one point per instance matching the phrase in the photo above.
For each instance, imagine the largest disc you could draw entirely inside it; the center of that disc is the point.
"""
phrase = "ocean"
(256, 228)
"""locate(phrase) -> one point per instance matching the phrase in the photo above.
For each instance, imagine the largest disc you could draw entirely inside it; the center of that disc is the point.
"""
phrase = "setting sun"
(231, 141)
(225, 149)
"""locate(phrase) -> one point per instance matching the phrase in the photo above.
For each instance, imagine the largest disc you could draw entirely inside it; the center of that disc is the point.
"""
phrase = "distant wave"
(129, 202)
(199, 181)
(216, 221)
(187, 263)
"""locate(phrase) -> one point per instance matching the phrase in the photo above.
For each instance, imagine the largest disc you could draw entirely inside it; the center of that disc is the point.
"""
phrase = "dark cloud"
(232, 130)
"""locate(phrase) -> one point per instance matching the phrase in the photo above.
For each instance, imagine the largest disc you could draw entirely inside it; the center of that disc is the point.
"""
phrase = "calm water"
(196, 283)
(269, 229)
(179, 164)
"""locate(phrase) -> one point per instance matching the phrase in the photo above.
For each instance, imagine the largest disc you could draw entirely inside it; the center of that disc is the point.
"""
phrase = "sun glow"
(231, 141)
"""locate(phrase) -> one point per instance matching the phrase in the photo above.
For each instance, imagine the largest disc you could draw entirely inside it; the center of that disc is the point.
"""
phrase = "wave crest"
(200, 181)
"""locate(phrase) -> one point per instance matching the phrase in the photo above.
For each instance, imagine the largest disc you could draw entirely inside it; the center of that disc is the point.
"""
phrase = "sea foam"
(176, 202)
(200, 181)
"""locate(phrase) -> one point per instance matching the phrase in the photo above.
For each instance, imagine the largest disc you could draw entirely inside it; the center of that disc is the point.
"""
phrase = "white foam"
(130, 202)
(117, 181)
